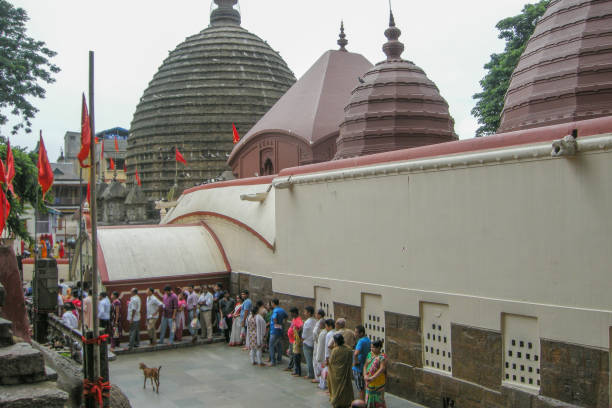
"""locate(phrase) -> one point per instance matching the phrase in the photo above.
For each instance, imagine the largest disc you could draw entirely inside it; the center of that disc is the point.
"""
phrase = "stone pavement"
(215, 375)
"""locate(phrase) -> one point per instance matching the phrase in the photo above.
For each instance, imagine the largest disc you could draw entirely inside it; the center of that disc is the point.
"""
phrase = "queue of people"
(335, 356)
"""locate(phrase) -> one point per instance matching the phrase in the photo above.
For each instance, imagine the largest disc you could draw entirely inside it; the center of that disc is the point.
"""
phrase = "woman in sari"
(256, 326)
(115, 319)
(180, 317)
(43, 248)
(68, 298)
(235, 339)
(375, 376)
(341, 374)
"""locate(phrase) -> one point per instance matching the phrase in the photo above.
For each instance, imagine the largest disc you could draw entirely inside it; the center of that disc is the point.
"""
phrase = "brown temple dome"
(565, 72)
(395, 107)
(302, 127)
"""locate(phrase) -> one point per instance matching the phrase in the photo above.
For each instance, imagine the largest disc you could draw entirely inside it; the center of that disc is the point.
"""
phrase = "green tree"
(516, 32)
(26, 187)
(24, 62)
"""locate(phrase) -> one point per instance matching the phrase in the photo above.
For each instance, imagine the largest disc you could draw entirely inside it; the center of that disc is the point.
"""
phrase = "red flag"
(85, 135)
(10, 167)
(125, 166)
(116, 144)
(112, 164)
(236, 135)
(5, 209)
(102, 154)
(2, 174)
(97, 140)
(137, 177)
(179, 156)
(45, 174)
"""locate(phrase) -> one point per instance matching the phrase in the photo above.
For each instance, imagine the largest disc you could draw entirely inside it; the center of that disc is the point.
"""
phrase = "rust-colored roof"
(565, 72)
(396, 107)
(313, 107)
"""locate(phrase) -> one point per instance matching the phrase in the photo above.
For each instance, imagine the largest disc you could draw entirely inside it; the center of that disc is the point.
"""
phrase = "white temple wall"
(244, 251)
(529, 237)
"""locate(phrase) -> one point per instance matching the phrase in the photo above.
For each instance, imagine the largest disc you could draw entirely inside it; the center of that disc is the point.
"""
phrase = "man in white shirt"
(329, 338)
(308, 338)
(68, 318)
(319, 353)
(319, 326)
(104, 307)
(133, 316)
(60, 300)
(153, 305)
(63, 286)
(205, 303)
(192, 309)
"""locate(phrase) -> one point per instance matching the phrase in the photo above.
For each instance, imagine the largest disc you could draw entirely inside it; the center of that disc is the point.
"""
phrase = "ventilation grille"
(521, 351)
(373, 317)
(436, 331)
(323, 300)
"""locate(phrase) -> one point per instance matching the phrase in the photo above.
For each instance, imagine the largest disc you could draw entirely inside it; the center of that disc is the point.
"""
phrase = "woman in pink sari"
(180, 317)
(235, 339)
(116, 320)
(375, 376)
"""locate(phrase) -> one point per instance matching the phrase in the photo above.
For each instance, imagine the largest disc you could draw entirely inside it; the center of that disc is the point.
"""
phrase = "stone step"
(6, 334)
(43, 394)
(51, 374)
(21, 364)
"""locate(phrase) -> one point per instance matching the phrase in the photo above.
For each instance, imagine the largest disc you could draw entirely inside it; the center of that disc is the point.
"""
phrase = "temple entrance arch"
(268, 168)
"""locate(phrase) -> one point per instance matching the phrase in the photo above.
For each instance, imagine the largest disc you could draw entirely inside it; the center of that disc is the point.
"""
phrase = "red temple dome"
(395, 107)
(565, 72)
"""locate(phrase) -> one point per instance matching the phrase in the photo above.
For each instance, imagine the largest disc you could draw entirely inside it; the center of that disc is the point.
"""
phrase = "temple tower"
(394, 107)
(220, 76)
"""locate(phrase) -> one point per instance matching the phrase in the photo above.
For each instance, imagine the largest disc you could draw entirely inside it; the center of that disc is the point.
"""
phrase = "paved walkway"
(217, 376)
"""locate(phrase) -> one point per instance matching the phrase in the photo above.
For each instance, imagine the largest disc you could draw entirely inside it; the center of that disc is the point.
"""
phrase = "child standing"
(257, 331)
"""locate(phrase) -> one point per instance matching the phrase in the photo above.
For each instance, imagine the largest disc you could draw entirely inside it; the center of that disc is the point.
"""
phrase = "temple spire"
(393, 48)
(342, 41)
(225, 13)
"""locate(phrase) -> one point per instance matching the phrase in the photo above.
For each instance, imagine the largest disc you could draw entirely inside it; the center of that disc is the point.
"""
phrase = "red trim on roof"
(108, 227)
(153, 280)
(230, 219)
(238, 182)
(30, 261)
(528, 136)
(219, 246)
(102, 270)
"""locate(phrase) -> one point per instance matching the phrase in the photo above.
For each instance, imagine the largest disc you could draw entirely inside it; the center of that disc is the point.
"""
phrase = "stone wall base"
(434, 390)
(571, 375)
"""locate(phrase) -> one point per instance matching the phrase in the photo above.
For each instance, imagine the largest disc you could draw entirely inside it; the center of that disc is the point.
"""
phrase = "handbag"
(222, 324)
(194, 323)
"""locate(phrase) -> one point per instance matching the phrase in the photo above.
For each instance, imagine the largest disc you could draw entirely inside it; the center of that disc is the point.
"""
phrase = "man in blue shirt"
(359, 358)
(104, 307)
(276, 333)
(246, 310)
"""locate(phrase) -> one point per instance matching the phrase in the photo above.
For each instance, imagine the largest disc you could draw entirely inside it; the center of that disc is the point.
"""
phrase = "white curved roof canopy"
(225, 201)
(159, 251)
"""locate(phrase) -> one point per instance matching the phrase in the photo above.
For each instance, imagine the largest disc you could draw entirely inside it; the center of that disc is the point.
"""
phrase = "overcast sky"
(451, 40)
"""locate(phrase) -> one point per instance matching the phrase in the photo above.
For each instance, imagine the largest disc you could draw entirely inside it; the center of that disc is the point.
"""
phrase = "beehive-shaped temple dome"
(220, 76)
(565, 72)
(395, 107)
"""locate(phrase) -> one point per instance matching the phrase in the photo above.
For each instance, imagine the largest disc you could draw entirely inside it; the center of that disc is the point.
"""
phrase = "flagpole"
(94, 223)
(36, 214)
(175, 167)
(81, 246)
